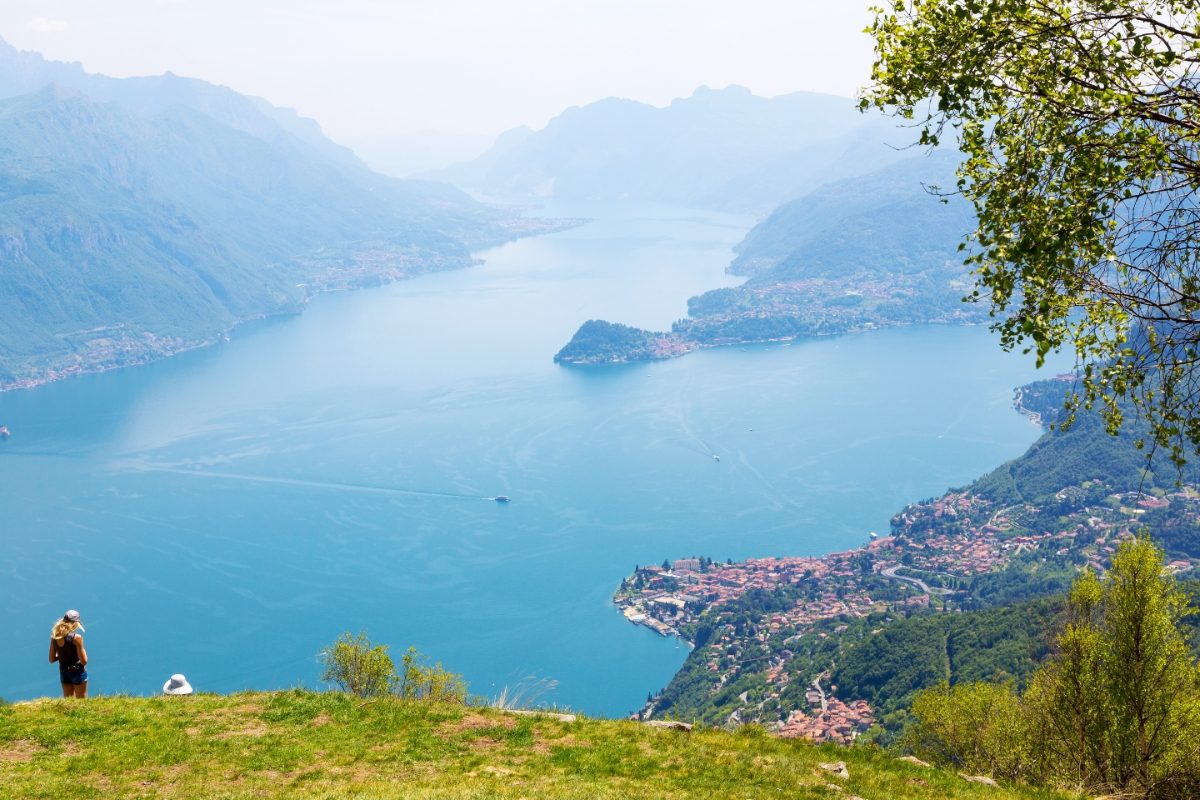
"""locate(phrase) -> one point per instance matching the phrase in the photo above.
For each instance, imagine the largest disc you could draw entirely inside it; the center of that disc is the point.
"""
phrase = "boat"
(716, 458)
(502, 498)
(5, 432)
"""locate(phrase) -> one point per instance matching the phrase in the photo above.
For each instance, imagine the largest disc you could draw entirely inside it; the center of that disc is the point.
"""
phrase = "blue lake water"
(228, 512)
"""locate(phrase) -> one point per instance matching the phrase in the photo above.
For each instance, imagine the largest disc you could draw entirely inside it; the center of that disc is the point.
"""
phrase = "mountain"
(22, 72)
(718, 149)
(473, 174)
(140, 217)
(886, 220)
(853, 254)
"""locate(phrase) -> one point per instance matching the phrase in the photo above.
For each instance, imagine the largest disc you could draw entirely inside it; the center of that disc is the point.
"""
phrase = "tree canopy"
(1116, 709)
(1078, 124)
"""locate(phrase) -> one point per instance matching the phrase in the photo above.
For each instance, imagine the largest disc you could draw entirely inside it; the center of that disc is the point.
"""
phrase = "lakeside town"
(748, 616)
(782, 310)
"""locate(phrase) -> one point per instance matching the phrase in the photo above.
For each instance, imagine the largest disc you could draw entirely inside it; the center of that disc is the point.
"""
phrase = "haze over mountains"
(143, 216)
(402, 155)
(726, 149)
(867, 251)
(897, 219)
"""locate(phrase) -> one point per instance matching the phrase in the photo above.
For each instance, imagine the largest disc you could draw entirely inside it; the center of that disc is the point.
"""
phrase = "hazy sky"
(464, 66)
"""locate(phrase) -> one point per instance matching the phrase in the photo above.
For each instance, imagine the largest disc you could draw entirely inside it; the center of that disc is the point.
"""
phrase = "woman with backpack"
(66, 647)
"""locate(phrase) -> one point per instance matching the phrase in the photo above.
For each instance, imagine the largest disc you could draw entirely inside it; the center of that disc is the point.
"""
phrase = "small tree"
(1062, 696)
(1152, 682)
(419, 681)
(356, 666)
(1116, 710)
(978, 727)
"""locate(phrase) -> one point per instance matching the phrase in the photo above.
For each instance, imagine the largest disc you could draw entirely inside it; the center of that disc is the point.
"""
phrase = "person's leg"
(68, 690)
(81, 689)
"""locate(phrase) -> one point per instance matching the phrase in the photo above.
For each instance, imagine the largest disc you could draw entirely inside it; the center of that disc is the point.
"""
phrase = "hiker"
(66, 647)
(177, 685)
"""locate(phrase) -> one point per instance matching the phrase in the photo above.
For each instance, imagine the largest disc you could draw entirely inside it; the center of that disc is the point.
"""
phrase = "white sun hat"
(177, 685)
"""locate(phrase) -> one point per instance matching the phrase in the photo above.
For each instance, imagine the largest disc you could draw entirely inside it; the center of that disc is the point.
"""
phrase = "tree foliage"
(979, 727)
(1079, 128)
(1116, 709)
(357, 666)
(421, 681)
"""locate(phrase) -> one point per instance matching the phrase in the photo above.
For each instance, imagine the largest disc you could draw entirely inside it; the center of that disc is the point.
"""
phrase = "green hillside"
(329, 745)
(887, 221)
(125, 237)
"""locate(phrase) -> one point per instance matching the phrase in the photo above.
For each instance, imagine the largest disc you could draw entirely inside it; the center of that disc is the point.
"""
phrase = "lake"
(228, 512)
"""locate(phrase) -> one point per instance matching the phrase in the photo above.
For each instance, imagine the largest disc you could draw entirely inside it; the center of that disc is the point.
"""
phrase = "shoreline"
(345, 281)
(755, 625)
(784, 340)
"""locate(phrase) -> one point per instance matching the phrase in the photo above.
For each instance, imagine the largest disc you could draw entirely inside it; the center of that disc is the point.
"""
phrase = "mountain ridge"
(725, 148)
(137, 227)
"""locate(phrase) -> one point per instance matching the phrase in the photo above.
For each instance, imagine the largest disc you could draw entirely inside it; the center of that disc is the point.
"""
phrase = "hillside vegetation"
(333, 745)
(140, 217)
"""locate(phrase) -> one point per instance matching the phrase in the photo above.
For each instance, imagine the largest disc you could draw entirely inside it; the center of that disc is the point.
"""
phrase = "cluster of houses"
(830, 720)
(666, 598)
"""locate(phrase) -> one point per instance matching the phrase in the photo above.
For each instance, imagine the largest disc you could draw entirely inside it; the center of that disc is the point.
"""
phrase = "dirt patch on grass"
(499, 772)
(253, 728)
(321, 719)
(544, 747)
(19, 751)
(473, 722)
(244, 709)
(70, 750)
(485, 744)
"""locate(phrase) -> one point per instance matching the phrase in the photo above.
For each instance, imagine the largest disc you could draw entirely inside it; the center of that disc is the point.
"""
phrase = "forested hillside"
(139, 227)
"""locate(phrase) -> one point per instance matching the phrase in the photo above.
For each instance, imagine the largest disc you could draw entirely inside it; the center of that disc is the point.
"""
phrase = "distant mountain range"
(143, 216)
(726, 149)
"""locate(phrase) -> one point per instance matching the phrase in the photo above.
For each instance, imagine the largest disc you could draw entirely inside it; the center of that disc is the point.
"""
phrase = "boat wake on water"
(334, 486)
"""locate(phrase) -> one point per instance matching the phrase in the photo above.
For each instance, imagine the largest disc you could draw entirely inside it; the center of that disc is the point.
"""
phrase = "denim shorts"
(72, 676)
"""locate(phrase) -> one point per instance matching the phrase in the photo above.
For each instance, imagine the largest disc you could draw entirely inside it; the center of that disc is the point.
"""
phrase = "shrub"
(419, 681)
(356, 666)
(976, 727)
(1115, 710)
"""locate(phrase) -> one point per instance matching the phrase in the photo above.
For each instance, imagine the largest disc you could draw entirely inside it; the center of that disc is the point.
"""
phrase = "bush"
(976, 727)
(356, 666)
(422, 682)
(1116, 710)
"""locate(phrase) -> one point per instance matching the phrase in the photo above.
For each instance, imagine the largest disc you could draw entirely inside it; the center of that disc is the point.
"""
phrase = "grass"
(329, 745)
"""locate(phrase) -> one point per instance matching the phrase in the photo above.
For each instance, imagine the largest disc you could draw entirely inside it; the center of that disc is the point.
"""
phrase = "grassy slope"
(306, 744)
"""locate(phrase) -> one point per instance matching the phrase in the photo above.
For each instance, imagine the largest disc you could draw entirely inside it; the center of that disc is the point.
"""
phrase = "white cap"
(177, 685)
